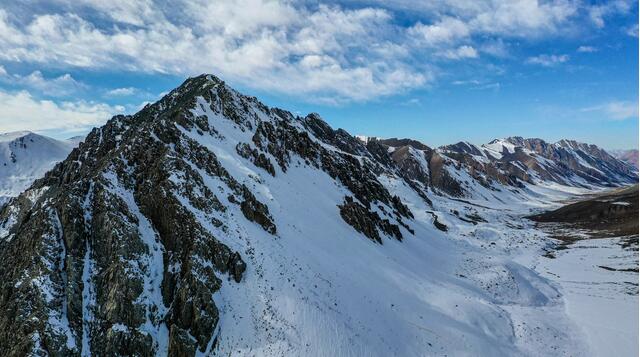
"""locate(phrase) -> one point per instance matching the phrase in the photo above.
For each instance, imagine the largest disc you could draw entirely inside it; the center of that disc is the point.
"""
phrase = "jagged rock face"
(511, 162)
(120, 248)
(112, 248)
(395, 143)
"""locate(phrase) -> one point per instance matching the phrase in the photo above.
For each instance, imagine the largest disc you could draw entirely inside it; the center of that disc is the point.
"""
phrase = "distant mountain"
(516, 160)
(210, 224)
(628, 156)
(26, 156)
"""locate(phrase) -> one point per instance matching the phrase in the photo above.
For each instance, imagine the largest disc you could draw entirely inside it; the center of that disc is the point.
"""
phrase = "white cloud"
(460, 53)
(240, 17)
(507, 18)
(477, 84)
(355, 57)
(587, 49)
(295, 47)
(547, 60)
(466, 82)
(497, 48)
(60, 86)
(122, 92)
(632, 30)
(597, 13)
(447, 30)
(524, 18)
(21, 111)
(616, 110)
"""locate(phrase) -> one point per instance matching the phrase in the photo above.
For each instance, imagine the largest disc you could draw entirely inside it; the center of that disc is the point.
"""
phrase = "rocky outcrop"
(127, 265)
(366, 222)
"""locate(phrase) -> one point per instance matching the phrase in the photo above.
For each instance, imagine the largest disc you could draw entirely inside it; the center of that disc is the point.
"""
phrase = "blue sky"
(438, 71)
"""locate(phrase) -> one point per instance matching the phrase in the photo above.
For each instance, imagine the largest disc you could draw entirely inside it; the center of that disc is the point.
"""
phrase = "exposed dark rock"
(258, 158)
(395, 142)
(117, 199)
(257, 212)
(367, 222)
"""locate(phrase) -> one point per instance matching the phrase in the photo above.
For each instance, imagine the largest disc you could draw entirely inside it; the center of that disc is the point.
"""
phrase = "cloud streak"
(547, 60)
(616, 110)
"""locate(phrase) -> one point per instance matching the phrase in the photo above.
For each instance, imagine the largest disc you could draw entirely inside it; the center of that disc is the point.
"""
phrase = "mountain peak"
(10, 136)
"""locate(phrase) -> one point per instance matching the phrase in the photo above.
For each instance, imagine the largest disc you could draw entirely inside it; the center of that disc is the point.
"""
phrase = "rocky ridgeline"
(114, 251)
(120, 248)
(514, 161)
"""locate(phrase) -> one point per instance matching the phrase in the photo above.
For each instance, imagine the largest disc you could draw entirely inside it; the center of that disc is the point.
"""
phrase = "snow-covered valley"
(602, 302)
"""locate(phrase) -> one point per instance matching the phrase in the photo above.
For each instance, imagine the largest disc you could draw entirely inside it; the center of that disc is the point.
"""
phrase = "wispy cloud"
(599, 12)
(587, 49)
(60, 86)
(412, 102)
(461, 52)
(477, 84)
(548, 60)
(122, 92)
(616, 110)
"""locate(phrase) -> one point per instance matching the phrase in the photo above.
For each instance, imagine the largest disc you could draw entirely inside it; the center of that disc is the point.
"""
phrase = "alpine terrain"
(630, 156)
(208, 224)
(26, 156)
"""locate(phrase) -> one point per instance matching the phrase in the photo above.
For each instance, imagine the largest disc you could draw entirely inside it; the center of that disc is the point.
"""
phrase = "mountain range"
(628, 156)
(210, 224)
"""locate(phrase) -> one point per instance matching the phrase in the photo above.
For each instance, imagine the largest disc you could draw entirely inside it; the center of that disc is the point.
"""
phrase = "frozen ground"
(598, 279)
(595, 281)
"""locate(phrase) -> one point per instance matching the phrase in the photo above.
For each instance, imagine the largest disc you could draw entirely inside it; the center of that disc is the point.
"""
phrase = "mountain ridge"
(208, 222)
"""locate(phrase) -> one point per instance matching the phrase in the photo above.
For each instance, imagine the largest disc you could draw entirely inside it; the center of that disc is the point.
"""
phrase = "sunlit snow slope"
(26, 156)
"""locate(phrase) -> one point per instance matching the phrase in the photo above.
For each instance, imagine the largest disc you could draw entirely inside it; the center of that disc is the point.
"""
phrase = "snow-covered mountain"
(26, 156)
(211, 224)
(628, 156)
(515, 160)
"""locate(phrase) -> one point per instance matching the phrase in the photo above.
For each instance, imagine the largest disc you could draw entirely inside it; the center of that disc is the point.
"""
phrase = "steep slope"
(210, 224)
(26, 156)
(119, 247)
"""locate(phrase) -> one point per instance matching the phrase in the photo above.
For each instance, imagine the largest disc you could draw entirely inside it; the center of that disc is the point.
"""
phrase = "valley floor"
(595, 307)
(598, 279)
